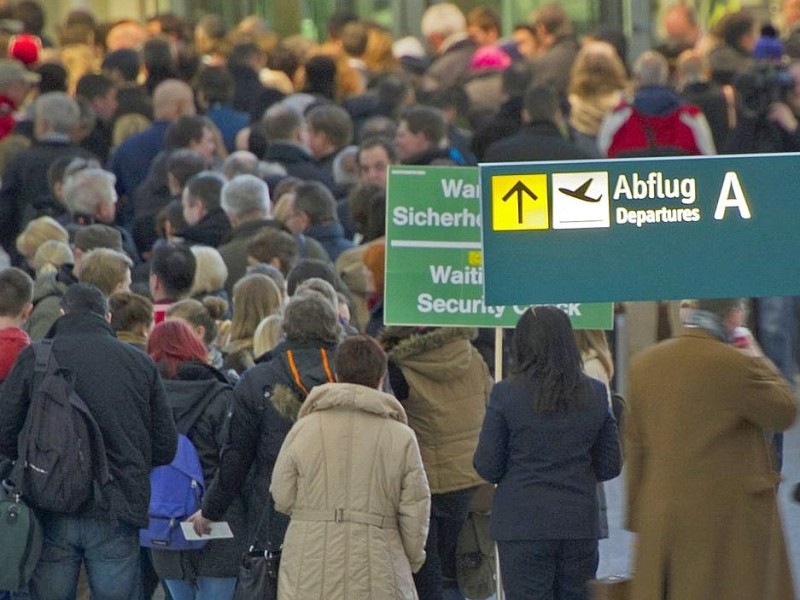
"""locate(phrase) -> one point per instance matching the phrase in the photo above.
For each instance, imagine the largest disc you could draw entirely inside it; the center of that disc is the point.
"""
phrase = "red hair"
(172, 343)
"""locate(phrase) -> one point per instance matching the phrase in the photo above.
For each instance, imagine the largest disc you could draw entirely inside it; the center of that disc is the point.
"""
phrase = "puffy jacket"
(351, 477)
(448, 387)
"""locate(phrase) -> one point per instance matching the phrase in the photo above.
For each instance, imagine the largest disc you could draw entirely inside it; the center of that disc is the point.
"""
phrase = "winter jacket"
(351, 477)
(212, 230)
(448, 387)
(266, 402)
(201, 401)
(125, 395)
(331, 236)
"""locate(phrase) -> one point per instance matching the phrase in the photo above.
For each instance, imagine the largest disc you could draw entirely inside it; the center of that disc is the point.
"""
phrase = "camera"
(762, 85)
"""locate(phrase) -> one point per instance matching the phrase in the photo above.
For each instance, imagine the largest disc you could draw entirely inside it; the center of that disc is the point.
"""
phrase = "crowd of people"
(214, 197)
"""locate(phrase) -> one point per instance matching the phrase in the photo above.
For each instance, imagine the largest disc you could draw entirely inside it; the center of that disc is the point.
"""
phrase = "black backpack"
(61, 454)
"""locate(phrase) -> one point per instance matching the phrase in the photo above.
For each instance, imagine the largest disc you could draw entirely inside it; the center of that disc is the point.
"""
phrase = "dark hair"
(158, 58)
(84, 298)
(321, 76)
(360, 359)
(175, 266)
(129, 310)
(544, 350)
(314, 267)
(216, 84)
(93, 85)
(172, 343)
(183, 163)
(333, 121)
(378, 141)
(271, 243)
(241, 53)
(541, 102)
(207, 188)
(31, 14)
(425, 119)
(317, 201)
(16, 291)
(172, 213)
(182, 132)
(368, 210)
(126, 61)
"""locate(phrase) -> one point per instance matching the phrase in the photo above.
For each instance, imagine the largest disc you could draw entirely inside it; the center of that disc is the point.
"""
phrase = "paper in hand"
(219, 530)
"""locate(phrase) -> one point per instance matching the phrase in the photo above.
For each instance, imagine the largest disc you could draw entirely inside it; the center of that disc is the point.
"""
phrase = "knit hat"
(25, 48)
(768, 46)
(489, 57)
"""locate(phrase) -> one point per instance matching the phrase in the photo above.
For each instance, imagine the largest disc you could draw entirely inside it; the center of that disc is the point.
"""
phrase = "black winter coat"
(125, 394)
(266, 402)
(201, 401)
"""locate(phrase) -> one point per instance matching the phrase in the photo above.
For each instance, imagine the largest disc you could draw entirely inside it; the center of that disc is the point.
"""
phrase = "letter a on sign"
(731, 196)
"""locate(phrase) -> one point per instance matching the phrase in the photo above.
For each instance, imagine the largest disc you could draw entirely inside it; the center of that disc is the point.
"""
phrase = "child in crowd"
(16, 295)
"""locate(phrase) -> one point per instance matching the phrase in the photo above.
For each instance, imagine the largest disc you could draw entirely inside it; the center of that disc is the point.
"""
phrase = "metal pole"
(498, 375)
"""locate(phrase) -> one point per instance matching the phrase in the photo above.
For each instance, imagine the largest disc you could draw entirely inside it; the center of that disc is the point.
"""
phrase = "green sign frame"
(642, 229)
(434, 259)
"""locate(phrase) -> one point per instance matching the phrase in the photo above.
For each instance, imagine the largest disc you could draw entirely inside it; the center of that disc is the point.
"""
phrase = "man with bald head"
(130, 162)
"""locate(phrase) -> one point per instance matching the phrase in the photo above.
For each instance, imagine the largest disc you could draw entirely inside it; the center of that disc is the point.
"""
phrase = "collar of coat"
(403, 342)
(351, 396)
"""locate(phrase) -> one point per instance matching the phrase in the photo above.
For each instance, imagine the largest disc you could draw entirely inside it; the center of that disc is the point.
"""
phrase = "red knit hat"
(25, 48)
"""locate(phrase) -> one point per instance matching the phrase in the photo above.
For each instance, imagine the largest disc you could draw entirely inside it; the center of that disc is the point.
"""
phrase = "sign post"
(641, 229)
(434, 258)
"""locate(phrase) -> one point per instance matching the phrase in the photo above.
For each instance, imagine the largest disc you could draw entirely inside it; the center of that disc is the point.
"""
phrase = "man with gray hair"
(91, 198)
(245, 199)
(701, 474)
(445, 28)
(240, 162)
(658, 122)
(287, 135)
(25, 192)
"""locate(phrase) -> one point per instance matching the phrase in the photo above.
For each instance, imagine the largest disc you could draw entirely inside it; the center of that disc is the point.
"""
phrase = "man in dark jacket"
(208, 224)
(125, 395)
(314, 215)
(540, 138)
(287, 133)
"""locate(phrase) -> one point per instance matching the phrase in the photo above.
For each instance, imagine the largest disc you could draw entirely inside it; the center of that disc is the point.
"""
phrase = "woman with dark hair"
(547, 439)
(267, 400)
(372, 478)
(201, 400)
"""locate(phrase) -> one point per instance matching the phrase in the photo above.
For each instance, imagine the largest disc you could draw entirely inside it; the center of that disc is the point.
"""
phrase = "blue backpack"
(176, 493)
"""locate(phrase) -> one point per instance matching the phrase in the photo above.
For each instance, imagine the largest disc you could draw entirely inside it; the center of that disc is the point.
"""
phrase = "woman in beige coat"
(350, 475)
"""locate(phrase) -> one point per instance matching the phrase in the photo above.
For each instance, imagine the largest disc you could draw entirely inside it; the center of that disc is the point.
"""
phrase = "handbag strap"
(265, 514)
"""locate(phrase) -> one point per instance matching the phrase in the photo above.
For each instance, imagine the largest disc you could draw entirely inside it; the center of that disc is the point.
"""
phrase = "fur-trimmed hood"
(440, 354)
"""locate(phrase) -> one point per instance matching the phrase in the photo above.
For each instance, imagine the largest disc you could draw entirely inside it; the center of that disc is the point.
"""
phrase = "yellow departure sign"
(520, 202)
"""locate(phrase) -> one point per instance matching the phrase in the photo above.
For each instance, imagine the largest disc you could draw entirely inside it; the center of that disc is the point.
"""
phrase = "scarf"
(709, 322)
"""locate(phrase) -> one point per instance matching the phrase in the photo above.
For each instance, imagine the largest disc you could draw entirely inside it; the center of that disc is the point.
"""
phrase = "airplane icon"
(580, 193)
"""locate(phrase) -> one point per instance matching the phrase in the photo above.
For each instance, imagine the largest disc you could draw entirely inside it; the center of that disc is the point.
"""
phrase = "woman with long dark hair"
(548, 438)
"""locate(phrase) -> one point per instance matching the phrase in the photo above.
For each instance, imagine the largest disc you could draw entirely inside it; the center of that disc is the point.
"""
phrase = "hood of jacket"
(657, 100)
(351, 396)
(195, 388)
(440, 354)
(53, 284)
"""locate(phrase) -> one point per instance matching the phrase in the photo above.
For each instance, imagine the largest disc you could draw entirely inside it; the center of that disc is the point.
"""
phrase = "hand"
(201, 525)
(783, 116)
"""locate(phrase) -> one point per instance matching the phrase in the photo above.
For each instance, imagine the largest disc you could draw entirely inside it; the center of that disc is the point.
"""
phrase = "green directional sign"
(641, 229)
(434, 262)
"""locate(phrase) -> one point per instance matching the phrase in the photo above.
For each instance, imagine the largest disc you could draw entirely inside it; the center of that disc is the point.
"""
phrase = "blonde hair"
(38, 232)
(105, 268)
(594, 341)
(255, 297)
(597, 70)
(267, 335)
(50, 256)
(128, 125)
(211, 272)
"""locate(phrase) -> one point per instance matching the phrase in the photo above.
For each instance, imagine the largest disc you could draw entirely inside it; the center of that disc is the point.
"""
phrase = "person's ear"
(26, 312)
(108, 316)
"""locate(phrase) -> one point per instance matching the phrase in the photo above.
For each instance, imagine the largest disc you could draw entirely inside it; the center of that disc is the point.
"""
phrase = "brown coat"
(700, 486)
(351, 450)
